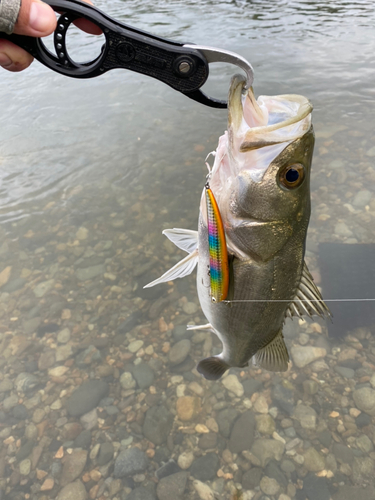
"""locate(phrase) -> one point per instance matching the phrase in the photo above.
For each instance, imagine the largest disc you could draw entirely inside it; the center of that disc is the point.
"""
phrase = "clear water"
(121, 157)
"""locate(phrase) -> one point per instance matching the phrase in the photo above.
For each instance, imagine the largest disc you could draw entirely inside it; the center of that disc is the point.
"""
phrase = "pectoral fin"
(183, 268)
(212, 368)
(274, 357)
(207, 327)
(308, 300)
(186, 239)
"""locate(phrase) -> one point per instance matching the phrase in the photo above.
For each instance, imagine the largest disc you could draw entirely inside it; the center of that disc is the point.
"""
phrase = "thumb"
(35, 18)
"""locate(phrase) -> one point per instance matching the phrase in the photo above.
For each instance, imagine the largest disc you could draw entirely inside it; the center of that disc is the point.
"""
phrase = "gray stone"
(287, 466)
(88, 356)
(179, 352)
(325, 437)
(314, 461)
(83, 440)
(88, 273)
(306, 416)
(73, 491)
(10, 402)
(343, 454)
(172, 487)
(6, 385)
(269, 485)
(242, 435)
(25, 467)
(363, 469)
(341, 229)
(127, 381)
(272, 470)
(250, 386)
(46, 360)
(344, 372)
(204, 468)
(63, 352)
(20, 412)
(158, 424)
(304, 355)
(364, 443)
(42, 288)
(129, 462)
(144, 375)
(29, 326)
(26, 382)
(73, 466)
(251, 478)
(25, 451)
(86, 397)
(63, 336)
(141, 493)
(362, 198)
(106, 452)
(364, 398)
(354, 492)
(225, 420)
(283, 398)
(315, 488)
(267, 449)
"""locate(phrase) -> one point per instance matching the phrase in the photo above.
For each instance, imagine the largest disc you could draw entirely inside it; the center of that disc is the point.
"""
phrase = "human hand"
(35, 18)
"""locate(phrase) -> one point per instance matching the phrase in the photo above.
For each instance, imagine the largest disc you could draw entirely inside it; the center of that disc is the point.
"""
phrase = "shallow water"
(91, 173)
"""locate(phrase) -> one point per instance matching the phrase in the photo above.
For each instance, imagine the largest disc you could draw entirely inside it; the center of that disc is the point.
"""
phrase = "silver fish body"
(261, 182)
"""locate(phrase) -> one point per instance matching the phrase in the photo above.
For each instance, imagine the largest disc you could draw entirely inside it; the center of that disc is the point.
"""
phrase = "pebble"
(141, 493)
(362, 198)
(144, 375)
(306, 416)
(204, 468)
(73, 466)
(266, 449)
(5, 275)
(190, 308)
(82, 233)
(188, 407)
(265, 424)
(6, 385)
(127, 381)
(63, 336)
(261, 405)
(179, 352)
(129, 462)
(185, 459)
(89, 420)
(269, 486)
(134, 346)
(63, 352)
(341, 229)
(158, 424)
(172, 487)
(364, 443)
(88, 273)
(86, 397)
(314, 461)
(232, 384)
(25, 467)
(73, 491)
(42, 288)
(105, 453)
(344, 372)
(364, 399)
(242, 435)
(225, 420)
(203, 490)
(304, 355)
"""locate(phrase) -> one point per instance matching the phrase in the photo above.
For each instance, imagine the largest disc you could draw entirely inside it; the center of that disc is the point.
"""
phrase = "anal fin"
(274, 356)
(212, 368)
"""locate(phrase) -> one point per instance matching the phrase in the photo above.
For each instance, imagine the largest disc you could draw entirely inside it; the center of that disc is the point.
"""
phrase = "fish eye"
(292, 176)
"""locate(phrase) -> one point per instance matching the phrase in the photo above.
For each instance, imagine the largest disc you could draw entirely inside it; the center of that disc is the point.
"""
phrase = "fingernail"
(40, 16)
(5, 61)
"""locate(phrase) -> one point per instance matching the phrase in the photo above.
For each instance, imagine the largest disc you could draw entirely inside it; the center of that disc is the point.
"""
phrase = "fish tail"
(212, 368)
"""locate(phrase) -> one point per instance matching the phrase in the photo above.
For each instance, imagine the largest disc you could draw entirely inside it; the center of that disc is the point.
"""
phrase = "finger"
(13, 58)
(35, 19)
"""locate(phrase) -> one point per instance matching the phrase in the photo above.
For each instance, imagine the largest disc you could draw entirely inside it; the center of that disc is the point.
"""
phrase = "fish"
(259, 188)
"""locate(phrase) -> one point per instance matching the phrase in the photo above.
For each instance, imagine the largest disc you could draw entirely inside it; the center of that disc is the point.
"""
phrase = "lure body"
(219, 269)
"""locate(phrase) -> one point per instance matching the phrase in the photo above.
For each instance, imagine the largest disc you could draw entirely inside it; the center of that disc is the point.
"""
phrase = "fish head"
(261, 174)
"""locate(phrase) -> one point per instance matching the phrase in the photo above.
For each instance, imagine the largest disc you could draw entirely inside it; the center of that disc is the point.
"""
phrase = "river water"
(91, 173)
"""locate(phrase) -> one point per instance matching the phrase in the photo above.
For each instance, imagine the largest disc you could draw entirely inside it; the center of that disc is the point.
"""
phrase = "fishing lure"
(219, 268)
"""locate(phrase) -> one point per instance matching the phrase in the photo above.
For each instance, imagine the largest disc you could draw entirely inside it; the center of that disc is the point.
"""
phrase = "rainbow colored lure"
(219, 269)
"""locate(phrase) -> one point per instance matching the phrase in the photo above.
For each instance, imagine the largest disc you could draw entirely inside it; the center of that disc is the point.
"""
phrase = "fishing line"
(299, 300)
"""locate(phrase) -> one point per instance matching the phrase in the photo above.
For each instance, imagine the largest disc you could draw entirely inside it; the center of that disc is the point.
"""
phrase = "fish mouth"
(268, 120)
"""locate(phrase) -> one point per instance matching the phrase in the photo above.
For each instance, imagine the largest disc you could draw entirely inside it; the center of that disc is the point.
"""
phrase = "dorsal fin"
(308, 300)
(274, 356)
(186, 239)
